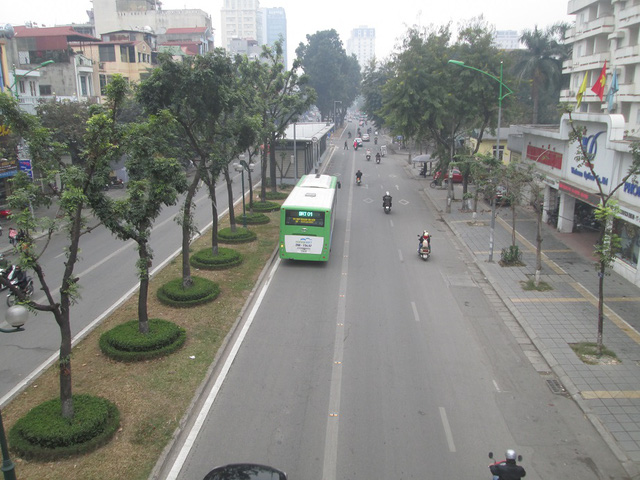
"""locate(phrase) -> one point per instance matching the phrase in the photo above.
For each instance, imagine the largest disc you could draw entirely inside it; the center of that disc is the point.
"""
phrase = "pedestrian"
(346, 147)
(13, 233)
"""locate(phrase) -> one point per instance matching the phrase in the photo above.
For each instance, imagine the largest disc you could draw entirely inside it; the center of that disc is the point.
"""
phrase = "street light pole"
(18, 77)
(500, 98)
(16, 317)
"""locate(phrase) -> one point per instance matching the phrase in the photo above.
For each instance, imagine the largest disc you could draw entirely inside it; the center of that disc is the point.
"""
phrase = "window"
(501, 151)
(107, 53)
(103, 84)
(45, 90)
(127, 54)
(84, 88)
(630, 241)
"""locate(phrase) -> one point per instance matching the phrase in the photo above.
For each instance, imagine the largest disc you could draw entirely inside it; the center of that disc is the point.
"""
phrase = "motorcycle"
(27, 291)
(424, 250)
(378, 158)
(387, 208)
(245, 471)
(375, 140)
(358, 181)
(368, 155)
(502, 461)
(9, 273)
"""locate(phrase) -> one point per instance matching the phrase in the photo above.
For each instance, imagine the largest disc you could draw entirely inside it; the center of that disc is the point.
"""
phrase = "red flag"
(598, 87)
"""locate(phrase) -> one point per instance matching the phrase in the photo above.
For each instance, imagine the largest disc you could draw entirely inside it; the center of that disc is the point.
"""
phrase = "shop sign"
(544, 156)
(631, 189)
(630, 216)
(587, 197)
(589, 176)
(25, 166)
(7, 168)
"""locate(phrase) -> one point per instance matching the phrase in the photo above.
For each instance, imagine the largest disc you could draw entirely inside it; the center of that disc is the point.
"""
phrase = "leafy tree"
(154, 181)
(198, 91)
(73, 185)
(540, 64)
(67, 122)
(606, 211)
(373, 82)
(282, 95)
(332, 74)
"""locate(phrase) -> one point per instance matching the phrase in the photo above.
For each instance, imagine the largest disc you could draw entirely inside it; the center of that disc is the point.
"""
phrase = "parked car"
(365, 137)
(457, 176)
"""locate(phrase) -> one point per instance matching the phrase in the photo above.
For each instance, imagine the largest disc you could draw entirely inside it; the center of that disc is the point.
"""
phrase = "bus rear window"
(307, 218)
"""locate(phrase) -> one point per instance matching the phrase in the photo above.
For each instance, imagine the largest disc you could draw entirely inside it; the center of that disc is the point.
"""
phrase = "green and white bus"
(307, 218)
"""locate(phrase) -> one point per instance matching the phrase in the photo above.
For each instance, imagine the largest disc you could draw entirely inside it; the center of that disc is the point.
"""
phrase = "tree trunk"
(187, 228)
(273, 172)
(600, 307)
(263, 172)
(214, 225)
(66, 393)
(513, 224)
(143, 314)
(232, 213)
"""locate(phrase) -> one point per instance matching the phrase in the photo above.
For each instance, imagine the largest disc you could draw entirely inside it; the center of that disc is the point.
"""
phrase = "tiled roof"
(70, 33)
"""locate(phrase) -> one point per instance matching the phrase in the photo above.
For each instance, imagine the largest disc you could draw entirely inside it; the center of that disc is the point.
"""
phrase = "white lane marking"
(204, 411)
(400, 255)
(447, 429)
(495, 384)
(391, 223)
(415, 311)
(329, 466)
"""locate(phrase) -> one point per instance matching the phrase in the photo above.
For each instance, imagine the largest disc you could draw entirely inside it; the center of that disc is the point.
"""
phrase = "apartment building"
(240, 19)
(606, 51)
(362, 44)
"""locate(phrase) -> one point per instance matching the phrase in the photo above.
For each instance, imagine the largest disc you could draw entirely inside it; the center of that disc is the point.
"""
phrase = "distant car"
(457, 176)
(365, 137)
(358, 140)
(502, 198)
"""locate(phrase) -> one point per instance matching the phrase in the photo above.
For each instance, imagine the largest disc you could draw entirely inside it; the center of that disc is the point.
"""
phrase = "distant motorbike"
(245, 471)
(378, 157)
(375, 140)
(27, 290)
(358, 181)
(387, 207)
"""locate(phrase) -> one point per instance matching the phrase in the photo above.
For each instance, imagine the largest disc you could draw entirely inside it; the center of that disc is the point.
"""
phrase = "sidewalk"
(609, 395)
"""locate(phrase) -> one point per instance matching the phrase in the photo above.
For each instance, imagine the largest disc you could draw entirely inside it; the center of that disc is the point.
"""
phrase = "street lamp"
(500, 98)
(18, 77)
(16, 316)
(241, 167)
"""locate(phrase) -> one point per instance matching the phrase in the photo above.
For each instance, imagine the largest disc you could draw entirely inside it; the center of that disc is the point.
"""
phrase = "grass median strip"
(151, 395)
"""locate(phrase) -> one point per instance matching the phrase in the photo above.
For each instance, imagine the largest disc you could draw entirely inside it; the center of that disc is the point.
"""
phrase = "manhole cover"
(556, 387)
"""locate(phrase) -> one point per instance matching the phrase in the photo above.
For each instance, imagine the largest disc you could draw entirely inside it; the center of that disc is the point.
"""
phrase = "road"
(377, 365)
(108, 276)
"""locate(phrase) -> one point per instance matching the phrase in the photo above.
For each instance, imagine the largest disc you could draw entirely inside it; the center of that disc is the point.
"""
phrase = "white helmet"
(510, 455)
(386, 193)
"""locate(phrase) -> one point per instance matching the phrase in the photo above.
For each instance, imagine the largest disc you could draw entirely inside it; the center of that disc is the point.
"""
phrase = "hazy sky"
(390, 19)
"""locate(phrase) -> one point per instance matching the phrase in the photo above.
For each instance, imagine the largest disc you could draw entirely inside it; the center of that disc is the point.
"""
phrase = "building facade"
(240, 19)
(274, 28)
(362, 44)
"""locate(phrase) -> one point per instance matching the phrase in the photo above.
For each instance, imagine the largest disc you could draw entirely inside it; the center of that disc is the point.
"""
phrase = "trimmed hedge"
(125, 343)
(241, 235)
(262, 207)
(276, 195)
(201, 291)
(226, 258)
(255, 219)
(43, 434)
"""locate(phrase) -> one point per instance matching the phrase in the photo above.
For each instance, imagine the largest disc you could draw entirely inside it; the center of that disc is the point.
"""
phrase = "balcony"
(629, 16)
(627, 55)
(600, 26)
(586, 62)
(576, 5)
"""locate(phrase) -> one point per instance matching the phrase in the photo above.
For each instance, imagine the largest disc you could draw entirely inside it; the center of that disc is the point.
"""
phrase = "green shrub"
(276, 195)
(256, 219)
(511, 256)
(226, 258)
(241, 235)
(125, 343)
(44, 435)
(201, 291)
(267, 206)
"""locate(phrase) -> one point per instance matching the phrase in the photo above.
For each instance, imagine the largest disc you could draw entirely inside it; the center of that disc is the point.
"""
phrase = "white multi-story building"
(240, 19)
(274, 27)
(605, 32)
(362, 44)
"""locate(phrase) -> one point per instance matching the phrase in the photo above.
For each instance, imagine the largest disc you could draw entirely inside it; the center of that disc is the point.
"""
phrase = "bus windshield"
(307, 218)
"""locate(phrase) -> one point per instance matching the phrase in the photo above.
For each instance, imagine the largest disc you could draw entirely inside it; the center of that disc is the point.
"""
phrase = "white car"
(365, 137)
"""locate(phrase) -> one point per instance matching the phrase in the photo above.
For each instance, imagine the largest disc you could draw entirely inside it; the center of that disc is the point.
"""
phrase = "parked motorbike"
(27, 290)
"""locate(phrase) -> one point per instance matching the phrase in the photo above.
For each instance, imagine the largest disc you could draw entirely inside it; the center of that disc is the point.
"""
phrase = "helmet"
(386, 193)
(510, 455)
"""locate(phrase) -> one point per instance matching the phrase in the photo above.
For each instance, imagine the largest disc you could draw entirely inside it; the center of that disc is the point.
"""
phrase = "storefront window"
(630, 241)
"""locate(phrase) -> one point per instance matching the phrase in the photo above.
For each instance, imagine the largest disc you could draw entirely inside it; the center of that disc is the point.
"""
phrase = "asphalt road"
(108, 276)
(377, 365)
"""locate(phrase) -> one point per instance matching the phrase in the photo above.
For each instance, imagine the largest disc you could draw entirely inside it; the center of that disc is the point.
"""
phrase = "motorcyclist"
(349, 133)
(21, 278)
(422, 237)
(358, 175)
(507, 469)
(378, 157)
(368, 154)
(386, 199)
